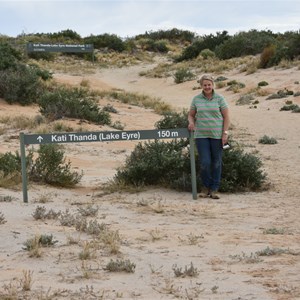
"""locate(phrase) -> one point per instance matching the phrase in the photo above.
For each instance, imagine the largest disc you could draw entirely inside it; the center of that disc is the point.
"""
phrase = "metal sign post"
(105, 136)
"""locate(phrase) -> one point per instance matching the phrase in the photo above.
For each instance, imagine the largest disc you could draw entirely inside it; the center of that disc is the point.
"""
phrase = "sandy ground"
(163, 231)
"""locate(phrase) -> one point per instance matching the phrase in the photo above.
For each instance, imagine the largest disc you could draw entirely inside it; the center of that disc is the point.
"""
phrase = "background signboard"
(45, 47)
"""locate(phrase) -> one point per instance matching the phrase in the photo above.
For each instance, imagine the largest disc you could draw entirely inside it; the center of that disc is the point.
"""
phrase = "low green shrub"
(182, 75)
(42, 73)
(245, 99)
(21, 84)
(48, 56)
(10, 168)
(296, 109)
(207, 53)
(72, 102)
(189, 271)
(267, 140)
(210, 42)
(173, 35)
(168, 164)
(160, 46)
(292, 107)
(241, 171)
(51, 167)
(263, 83)
(235, 84)
(272, 251)
(106, 41)
(154, 163)
(9, 57)
(173, 120)
(44, 240)
(120, 265)
(244, 43)
(10, 163)
(149, 44)
(41, 213)
(220, 78)
(280, 94)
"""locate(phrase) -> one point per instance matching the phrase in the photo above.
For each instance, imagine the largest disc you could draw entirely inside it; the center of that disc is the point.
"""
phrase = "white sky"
(127, 18)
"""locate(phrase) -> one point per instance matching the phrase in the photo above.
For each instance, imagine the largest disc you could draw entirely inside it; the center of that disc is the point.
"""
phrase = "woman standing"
(209, 119)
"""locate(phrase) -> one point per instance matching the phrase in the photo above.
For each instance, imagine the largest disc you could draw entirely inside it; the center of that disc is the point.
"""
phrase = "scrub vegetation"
(26, 78)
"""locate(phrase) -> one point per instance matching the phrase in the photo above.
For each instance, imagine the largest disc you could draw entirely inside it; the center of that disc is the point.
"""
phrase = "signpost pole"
(23, 166)
(193, 166)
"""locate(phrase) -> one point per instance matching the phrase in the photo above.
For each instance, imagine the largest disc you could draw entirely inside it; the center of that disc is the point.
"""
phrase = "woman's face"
(207, 86)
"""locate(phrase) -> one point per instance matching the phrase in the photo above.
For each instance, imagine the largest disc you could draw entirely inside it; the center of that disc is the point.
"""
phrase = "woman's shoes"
(205, 193)
(214, 195)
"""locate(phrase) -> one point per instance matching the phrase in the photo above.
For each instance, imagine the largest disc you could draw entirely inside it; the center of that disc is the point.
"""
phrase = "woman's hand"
(191, 118)
(191, 127)
(224, 138)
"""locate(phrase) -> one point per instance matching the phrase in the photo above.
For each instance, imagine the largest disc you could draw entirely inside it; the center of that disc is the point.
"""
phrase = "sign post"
(105, 136)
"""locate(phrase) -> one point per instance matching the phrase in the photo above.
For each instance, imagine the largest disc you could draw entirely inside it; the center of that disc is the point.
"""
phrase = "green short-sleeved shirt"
(208, 118)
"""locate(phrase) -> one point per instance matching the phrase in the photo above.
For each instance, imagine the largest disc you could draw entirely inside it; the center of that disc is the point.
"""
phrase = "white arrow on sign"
(40, 139)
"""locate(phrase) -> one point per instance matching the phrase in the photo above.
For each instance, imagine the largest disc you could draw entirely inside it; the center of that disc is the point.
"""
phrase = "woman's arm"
(226, 123)
(191, 119)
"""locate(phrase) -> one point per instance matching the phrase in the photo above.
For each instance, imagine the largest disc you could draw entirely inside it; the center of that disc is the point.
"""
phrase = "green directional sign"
(45, 47)
(104, 136)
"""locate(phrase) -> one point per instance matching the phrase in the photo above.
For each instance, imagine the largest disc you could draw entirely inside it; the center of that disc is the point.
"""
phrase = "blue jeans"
(210, 159)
